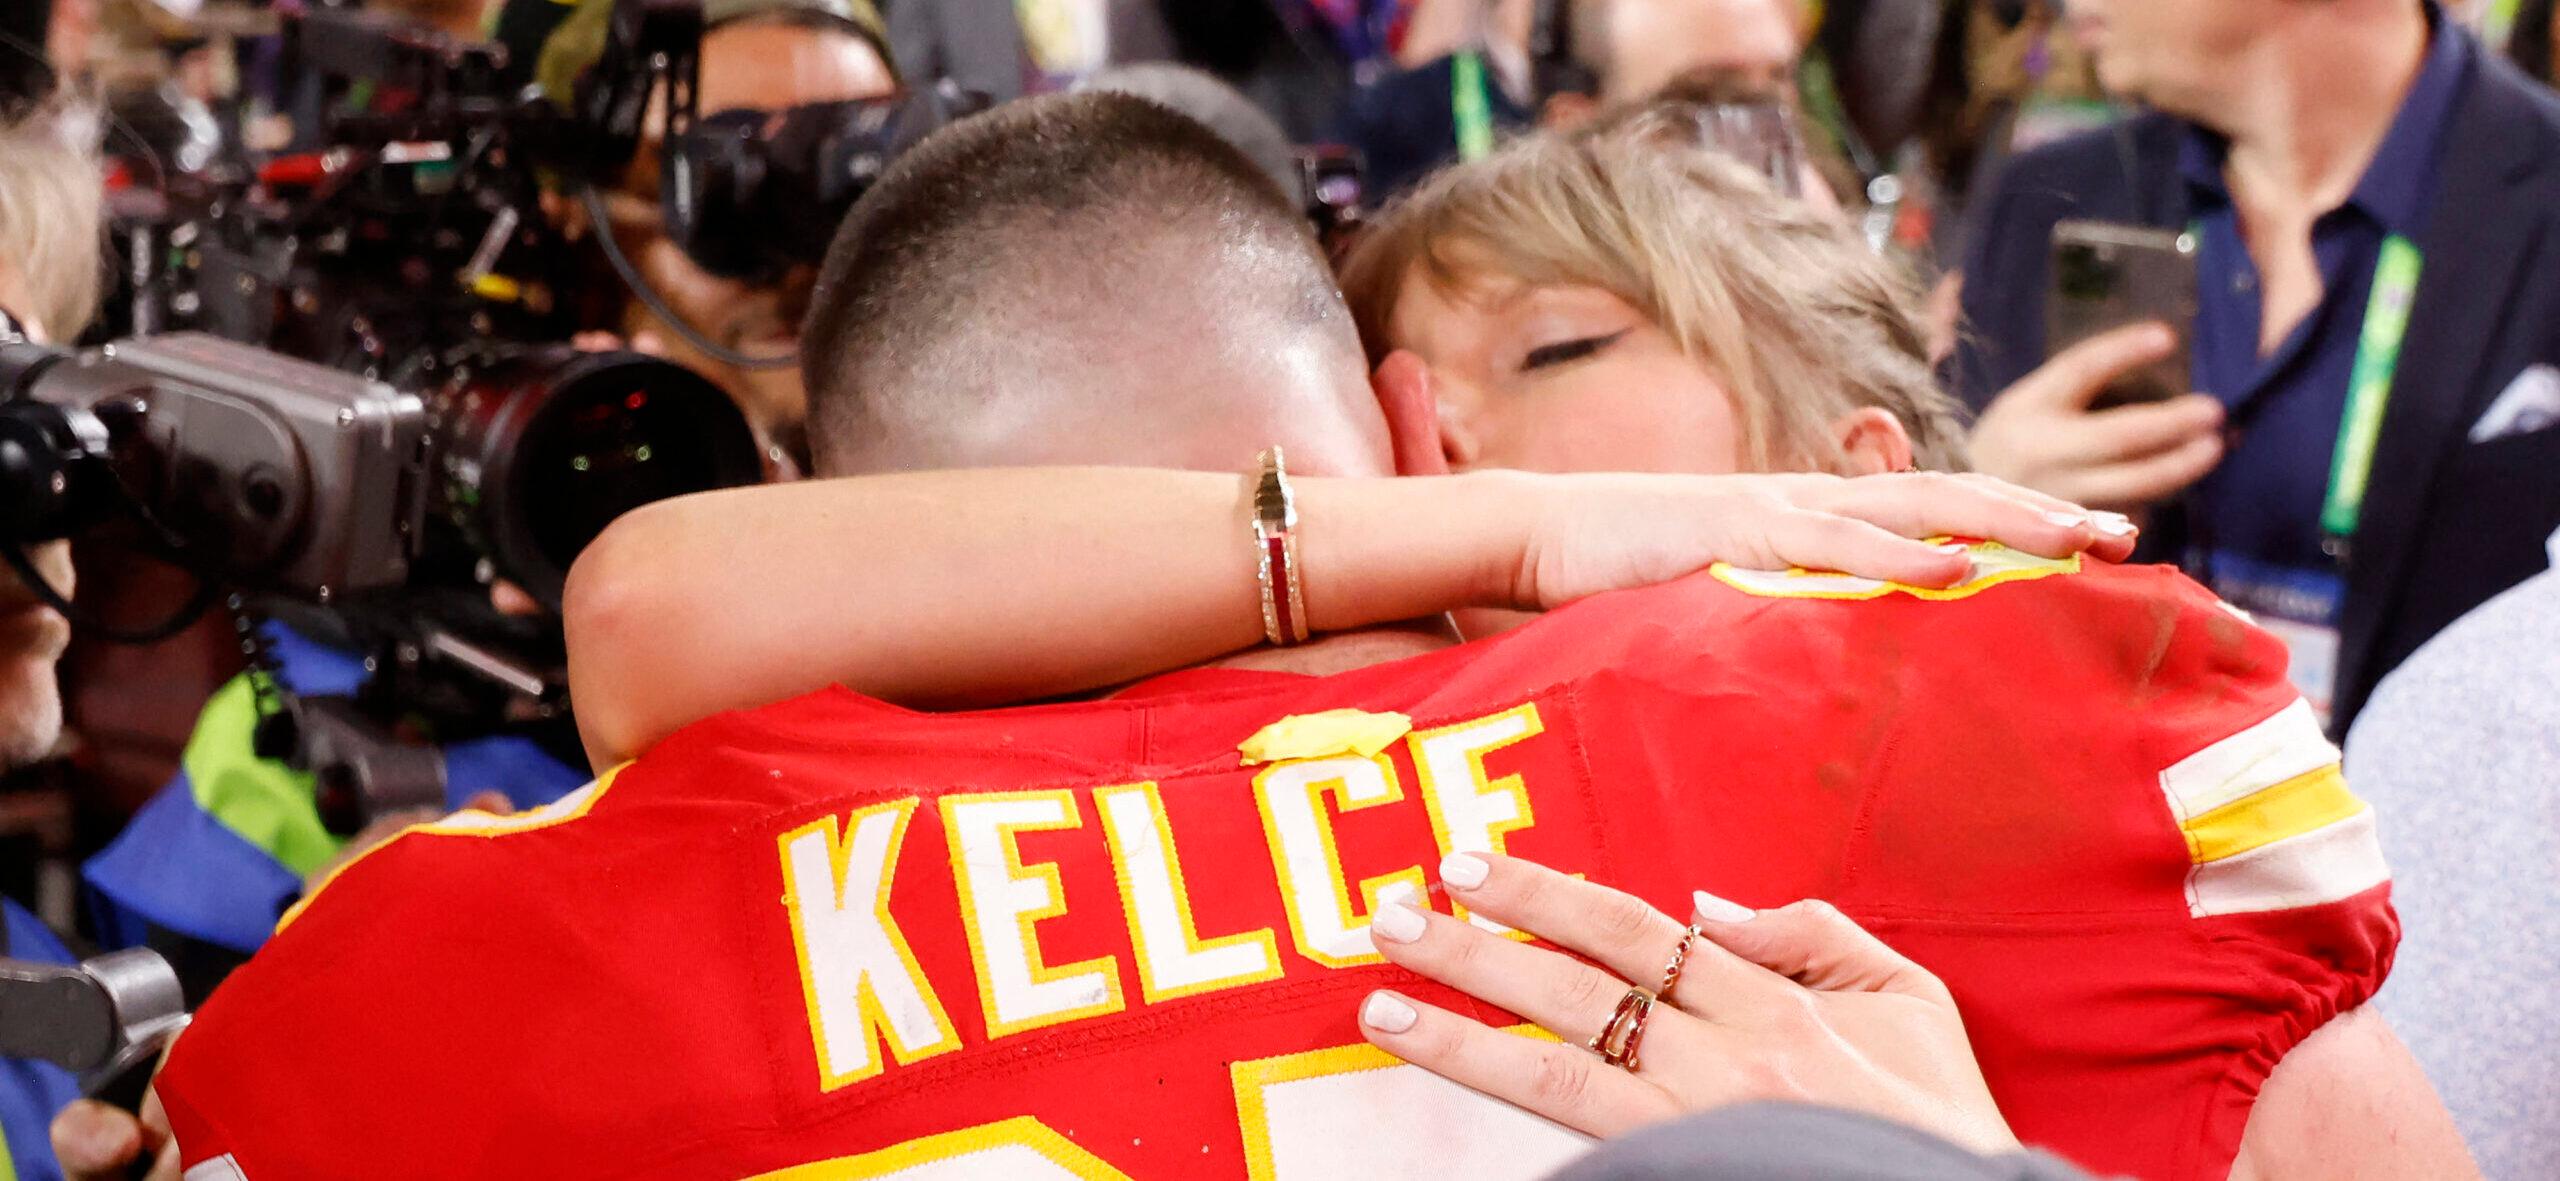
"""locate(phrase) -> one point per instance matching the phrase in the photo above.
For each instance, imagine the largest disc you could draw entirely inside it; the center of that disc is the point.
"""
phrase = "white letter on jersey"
(1001, 898)
(856, 972)
(1310, 867)
(1172, 960)
(1469, 812)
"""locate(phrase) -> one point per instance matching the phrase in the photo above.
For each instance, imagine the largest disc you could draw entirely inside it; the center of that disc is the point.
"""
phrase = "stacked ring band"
(1679, 961)
(1618, 1041)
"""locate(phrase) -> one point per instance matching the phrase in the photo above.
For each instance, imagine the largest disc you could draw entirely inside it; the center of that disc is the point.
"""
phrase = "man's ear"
(1566, 111)
(1873, 441)
(1412, 406)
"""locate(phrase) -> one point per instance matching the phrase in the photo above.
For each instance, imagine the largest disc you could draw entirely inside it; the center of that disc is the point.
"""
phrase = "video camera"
(301, 480)
(348, 401)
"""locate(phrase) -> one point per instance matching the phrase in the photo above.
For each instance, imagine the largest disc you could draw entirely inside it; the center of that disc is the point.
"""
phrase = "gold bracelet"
(1275, 543)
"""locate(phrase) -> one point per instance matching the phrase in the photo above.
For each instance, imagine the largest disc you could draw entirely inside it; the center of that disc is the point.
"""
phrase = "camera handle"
(107, 1019)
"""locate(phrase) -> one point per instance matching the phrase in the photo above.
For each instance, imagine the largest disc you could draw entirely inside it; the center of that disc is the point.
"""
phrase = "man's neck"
(1346, 651)
(2311, 104)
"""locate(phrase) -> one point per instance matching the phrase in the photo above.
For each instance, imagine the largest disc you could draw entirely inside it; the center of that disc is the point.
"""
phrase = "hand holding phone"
(2043, 431)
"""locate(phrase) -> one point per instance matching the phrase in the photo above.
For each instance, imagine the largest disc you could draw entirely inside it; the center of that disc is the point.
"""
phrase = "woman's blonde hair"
(51, 233)
(1800, 321)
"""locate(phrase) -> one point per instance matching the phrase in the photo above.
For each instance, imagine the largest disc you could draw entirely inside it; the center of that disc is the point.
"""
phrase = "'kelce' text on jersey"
(864, 986)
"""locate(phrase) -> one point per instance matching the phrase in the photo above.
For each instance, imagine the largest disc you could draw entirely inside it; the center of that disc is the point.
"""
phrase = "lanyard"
(1470, 107)
(2386, 321)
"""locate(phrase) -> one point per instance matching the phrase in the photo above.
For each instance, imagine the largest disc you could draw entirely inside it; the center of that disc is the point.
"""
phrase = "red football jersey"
(832, 938)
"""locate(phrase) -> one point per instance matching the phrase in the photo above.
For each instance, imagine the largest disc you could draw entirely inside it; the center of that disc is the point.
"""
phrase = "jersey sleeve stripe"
(2321, 866)
(2273, 752)
(2269, 821)
(2291, 808)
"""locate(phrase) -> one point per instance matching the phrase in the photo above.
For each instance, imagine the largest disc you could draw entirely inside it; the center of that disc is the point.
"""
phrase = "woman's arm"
(944, 589)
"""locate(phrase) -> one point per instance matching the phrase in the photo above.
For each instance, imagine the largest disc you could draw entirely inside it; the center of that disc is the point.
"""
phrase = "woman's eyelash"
(1569, 350)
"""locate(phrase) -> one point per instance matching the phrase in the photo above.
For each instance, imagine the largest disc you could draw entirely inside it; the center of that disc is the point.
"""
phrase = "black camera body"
(311, 482)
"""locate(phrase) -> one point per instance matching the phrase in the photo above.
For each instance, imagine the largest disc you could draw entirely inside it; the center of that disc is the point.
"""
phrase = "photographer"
(206, 867)
(761, 55)
(49, 230)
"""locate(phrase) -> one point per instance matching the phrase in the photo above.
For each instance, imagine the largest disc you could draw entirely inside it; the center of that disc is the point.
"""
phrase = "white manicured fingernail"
(1396, 922)
(1952, 547)
(2112, 524)
(1463, 871)
(2066, 520)
(1712, 909)
(1386, 1012)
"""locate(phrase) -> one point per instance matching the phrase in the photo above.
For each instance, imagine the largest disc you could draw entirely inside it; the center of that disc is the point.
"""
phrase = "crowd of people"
(1639, 646)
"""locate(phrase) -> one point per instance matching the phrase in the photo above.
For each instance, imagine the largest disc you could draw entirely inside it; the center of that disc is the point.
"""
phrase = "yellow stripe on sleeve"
(2312, 800)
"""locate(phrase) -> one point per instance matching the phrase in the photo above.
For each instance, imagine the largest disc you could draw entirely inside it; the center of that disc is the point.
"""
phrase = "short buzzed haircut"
(1072, 260)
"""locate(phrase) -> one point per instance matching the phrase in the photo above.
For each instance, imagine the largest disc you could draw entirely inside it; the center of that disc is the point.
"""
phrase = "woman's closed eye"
(1566, 351)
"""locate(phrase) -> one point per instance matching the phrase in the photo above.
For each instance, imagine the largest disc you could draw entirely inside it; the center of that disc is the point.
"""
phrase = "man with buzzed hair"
(957, 317)
(1128, 936)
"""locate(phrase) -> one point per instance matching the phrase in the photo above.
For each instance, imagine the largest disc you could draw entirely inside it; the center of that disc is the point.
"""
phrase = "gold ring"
(1617, 1041)
(1679, 961)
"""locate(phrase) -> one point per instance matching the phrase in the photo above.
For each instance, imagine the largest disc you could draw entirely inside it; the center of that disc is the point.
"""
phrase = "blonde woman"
(1624, 300)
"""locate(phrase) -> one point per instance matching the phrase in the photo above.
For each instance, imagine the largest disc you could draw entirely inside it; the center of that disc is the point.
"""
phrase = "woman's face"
(1563, 379)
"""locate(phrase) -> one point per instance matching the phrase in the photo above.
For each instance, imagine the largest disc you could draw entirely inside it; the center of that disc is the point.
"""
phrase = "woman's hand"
(1795, 1003)
(1601, 533)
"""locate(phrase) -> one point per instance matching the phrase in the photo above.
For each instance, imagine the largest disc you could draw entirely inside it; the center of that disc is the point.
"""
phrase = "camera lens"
(541, 451)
